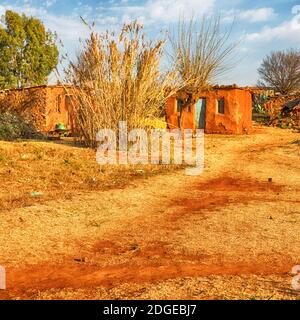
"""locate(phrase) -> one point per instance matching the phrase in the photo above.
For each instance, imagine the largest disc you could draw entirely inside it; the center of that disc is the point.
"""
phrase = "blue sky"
(261, 26)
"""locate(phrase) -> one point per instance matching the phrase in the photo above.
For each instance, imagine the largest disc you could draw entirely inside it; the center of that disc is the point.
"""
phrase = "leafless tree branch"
(281, 71)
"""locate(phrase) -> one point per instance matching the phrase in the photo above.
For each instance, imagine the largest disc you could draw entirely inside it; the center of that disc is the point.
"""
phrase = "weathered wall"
(171, 113)
(295, 116)
(188, 118)
(284, 110)
(244, 122)
(275, 104)
(237, 118)
(42, 107)
(28, 103)
(58, 108)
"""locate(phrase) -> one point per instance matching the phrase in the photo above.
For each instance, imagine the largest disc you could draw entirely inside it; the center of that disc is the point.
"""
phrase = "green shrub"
(12, 127)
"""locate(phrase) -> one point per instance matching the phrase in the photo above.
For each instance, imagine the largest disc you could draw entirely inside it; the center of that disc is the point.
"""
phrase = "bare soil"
(229, 233)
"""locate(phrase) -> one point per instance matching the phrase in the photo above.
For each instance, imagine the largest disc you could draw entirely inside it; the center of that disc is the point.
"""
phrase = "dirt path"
(228, 233)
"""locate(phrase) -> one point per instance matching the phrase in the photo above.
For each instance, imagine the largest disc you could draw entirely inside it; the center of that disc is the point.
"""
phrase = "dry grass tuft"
(117, 78)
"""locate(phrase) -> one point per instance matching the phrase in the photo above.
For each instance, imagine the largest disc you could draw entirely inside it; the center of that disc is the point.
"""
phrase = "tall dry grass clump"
(118, 78)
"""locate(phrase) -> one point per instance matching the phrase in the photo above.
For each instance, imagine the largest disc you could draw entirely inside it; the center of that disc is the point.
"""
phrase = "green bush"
(12, 127)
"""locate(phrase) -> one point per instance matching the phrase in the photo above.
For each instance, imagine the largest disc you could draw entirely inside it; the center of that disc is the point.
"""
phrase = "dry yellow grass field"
(104, 234)
(34, 172)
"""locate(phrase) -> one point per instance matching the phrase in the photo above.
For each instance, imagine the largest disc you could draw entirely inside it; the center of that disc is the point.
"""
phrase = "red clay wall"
(58, 108)
(187, 118)
(29, 104)
(42, 107)
(171, 113)
(172, 116)
(237, 118)
(244, 120)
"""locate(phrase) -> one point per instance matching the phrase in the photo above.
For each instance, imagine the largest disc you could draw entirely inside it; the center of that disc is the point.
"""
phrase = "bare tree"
(281, 71)
(201, 52)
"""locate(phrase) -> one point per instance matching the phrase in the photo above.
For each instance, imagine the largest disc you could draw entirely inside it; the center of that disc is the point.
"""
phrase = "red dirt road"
(228, 233)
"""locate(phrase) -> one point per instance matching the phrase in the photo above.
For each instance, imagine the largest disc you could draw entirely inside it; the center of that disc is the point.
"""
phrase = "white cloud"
(171, 10)
(288, 31)
(152, 11)
(165, 11)
(24, 9)
(257, 45)
(249, 16)
(67, 27)
(50, 3)
(258, 15)
(83, 10)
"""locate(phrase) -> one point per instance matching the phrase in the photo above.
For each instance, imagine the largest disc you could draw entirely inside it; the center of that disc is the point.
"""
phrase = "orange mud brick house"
(221, 109)
(42, 107)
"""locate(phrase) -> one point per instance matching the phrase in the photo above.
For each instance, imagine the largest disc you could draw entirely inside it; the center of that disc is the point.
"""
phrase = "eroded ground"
(226, 234)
